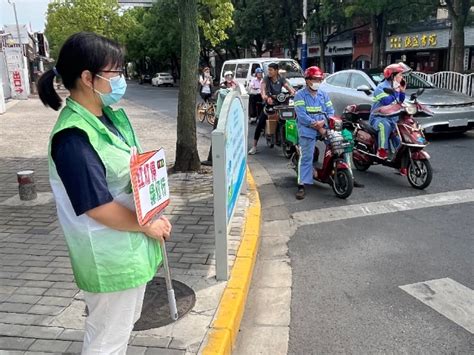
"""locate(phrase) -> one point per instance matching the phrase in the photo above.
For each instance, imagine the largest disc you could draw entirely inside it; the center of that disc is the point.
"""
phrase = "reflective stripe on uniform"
(313, 109)
(299, 103)
(328, 104)
(380, 96)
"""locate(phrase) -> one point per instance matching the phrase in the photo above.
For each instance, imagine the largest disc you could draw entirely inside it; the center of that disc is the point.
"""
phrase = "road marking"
(448, 297)
(382, 207)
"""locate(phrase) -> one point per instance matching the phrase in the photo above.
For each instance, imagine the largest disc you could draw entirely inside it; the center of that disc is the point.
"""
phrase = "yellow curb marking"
(225, 327)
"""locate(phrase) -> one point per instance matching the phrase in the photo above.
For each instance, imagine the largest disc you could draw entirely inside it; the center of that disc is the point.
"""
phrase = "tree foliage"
(66, 17)
(381, 12)
(459, 13)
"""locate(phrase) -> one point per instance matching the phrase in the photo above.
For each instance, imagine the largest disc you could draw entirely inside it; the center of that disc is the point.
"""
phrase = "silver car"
(452, 111)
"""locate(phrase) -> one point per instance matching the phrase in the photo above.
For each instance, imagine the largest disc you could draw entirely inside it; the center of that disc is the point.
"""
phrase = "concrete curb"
(225, 328)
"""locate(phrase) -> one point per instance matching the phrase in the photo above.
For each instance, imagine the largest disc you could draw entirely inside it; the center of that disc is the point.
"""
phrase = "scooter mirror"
(364, 88)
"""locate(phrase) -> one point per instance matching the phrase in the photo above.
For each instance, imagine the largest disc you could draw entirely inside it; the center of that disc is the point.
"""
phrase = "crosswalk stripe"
(448, 297)
(382, 207)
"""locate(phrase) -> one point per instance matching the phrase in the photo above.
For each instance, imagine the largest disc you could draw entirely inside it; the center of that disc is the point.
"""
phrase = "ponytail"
(47, 93)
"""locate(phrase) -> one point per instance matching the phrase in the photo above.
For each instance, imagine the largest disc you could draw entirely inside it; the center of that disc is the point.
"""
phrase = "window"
(358, 80)
(242, 71)
(228, 67)
(338, 79)
(254, 67)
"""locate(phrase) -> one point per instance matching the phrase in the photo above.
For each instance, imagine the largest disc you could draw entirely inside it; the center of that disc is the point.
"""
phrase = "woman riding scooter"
(393, 79)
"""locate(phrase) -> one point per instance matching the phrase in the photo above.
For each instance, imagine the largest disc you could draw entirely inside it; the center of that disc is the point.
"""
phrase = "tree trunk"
(187, 157)
(457, 47)
(458, 12)
(377, 25)
(322, 50)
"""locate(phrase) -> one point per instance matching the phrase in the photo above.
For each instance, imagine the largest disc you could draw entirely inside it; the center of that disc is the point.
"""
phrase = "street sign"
(14, 59)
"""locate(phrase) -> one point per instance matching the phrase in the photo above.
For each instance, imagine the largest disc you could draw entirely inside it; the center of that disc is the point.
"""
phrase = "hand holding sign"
(151, 194)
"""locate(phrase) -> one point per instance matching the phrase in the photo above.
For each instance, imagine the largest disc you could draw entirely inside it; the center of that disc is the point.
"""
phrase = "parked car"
(452, 111)
(144, 78)
(244, 69)
(164, 79)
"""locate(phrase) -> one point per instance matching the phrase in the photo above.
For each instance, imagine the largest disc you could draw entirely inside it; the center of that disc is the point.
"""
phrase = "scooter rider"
(309, 103)
(393, 79)
(272, 84)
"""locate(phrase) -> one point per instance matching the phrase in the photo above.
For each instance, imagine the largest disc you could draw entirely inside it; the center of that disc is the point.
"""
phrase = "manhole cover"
(156, 311)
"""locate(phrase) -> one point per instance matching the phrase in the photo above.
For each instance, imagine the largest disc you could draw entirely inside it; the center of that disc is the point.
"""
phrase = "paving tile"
(15, 343)
(50, 345)
(41, 332)
(12, 329)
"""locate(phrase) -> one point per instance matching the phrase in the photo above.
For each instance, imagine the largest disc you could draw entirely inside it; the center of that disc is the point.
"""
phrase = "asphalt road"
(347, 274)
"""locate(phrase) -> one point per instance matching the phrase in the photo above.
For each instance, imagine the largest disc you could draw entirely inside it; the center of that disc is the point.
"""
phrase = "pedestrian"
(112, 256)
(205, 83)
(272, 85)
(229, 82)
(255, 98)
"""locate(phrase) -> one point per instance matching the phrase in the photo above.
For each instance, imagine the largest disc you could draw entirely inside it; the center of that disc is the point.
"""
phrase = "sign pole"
(169, 283)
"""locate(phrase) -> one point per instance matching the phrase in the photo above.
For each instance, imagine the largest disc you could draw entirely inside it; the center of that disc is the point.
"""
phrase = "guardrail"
(462, 83)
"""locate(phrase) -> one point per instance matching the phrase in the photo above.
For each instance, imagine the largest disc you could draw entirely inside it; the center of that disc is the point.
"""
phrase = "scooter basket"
(291, 131)
(338, 143)
(271, 124)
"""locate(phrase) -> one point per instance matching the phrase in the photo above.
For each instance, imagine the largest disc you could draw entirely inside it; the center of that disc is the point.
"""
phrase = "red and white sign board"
(150, 184)
(14, 59)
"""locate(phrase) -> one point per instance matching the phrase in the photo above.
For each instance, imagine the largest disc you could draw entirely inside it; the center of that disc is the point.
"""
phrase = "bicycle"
(206, 111)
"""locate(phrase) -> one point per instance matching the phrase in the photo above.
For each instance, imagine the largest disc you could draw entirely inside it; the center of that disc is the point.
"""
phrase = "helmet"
(228, 72)
(395, 69)
(258, 70)
(313, 72)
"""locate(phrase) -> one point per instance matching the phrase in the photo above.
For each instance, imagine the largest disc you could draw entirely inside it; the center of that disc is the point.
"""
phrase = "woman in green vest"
(112, 256)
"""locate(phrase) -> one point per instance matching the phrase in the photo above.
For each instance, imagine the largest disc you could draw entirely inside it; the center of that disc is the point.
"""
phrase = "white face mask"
(314, 86)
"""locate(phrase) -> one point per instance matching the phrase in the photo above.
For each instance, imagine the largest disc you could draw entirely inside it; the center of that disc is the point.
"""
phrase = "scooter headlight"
(411, 109)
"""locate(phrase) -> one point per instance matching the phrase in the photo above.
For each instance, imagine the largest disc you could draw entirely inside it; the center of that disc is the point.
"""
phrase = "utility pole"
(17, 30)
(304, 45)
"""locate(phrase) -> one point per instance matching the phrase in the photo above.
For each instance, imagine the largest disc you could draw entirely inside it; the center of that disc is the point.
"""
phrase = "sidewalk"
(41, 309)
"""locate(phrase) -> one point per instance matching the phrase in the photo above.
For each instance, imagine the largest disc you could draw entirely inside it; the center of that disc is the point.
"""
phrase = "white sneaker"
(253, 151)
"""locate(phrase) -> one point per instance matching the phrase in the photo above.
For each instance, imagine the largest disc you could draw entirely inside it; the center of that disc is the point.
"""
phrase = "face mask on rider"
(314, 86)
(118, 86)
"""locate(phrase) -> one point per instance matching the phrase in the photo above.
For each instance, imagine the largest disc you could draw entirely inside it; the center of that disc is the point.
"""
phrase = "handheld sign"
(151, 194)
(150, 184)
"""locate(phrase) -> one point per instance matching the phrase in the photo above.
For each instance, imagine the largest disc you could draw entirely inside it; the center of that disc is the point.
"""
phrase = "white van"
(244, 70)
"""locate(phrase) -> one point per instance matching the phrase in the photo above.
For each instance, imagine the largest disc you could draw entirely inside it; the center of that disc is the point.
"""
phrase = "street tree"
(458, 13)
(66, 17)
(380, 12)
(324, 15)
(187, 157)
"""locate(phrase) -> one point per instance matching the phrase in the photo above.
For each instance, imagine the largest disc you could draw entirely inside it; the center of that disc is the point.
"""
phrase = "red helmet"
(395, 69)
(313, 72)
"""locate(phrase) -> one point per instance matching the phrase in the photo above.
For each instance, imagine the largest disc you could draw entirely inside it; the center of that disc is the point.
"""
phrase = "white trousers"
(111, 319)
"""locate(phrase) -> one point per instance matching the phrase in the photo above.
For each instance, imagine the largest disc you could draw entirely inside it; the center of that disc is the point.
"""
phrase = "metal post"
(304, 45)
(220, 208)
(17, 29)
(26, 185)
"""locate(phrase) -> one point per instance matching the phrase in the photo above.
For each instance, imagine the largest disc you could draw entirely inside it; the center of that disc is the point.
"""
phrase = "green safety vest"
(103, 259)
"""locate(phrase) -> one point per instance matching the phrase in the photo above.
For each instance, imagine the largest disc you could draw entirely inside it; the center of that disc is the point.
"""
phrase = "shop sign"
(414, 41)
(14, 60)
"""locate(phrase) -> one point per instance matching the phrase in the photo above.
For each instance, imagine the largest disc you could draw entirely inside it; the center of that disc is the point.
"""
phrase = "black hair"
(273, 66)
(82, 51)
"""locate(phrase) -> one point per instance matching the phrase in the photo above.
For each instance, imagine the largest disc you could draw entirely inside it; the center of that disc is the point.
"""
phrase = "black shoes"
(300, 193)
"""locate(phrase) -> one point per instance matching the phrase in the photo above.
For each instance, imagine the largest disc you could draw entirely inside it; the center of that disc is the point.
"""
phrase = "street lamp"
(17, 29)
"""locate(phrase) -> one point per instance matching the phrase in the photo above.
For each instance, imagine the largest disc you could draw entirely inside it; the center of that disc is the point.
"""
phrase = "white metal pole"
(169, 283)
